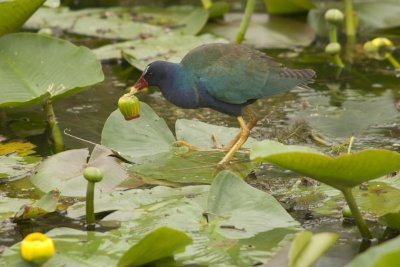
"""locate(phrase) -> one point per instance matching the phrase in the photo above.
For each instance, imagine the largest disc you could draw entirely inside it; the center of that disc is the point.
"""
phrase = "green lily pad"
(346, 170)
(140, 138)
(64, 171)
(36, 67)
(148, 142)
(48, 203)
(383, 255)
(14, 14)
(14, 167)
(8, 206)
(164, 242)
(122, 23)
(169, 47)
(306, 248)
(221, 235)
(265, 31)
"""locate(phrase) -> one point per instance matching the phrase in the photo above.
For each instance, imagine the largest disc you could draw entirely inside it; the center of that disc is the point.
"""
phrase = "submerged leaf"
(346, 170)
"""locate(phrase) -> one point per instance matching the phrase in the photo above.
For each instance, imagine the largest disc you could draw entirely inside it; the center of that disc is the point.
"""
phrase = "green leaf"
(8, 206)
(14, 167)
(377, 15)
(122, 23)
(64, 171)
(383, 255)
(265, 31)
(391, 219)
(237, 217)
(35, 67)
(306, 248)
(247, 231)
(143, 137)
(346, 170)
(283, 7)
(169, 47)
(161, 243)
(148, 142)
(217, 9)
(48, 203)
(14, 13)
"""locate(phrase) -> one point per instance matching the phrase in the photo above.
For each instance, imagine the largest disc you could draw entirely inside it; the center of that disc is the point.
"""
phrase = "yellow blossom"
(36, 247)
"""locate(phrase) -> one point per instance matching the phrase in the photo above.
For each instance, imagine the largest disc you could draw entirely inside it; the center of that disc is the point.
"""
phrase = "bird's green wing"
(236, 73)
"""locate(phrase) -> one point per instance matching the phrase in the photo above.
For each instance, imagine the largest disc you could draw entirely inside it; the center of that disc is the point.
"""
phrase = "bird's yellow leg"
(183, 143)
(252, 122)
(244, 134)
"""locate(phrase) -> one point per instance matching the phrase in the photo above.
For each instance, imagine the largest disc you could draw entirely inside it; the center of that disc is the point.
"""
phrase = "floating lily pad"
(14, 167)
(169, 47)
(265, 31)
(36, 67)
(346, 170)
(64, 171)
(246, 229)
(14, 14)
(288, 6)
(9, 206)
(122, 22)
(148, 142)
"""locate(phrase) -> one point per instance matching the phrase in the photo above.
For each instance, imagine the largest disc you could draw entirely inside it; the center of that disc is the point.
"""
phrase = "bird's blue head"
(157, 73)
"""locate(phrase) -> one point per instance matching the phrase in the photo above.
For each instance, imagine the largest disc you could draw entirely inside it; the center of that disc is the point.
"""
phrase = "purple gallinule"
(226, 78)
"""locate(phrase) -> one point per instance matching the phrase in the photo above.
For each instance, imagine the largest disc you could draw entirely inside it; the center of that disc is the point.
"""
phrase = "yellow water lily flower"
(36, 247)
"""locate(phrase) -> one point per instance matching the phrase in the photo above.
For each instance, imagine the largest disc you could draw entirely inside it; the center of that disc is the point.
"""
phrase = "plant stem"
(338, 60)
(362, 226)
(56, 135)
(393, 61)
(90, 219)
(333, 34)
(245, 21)
(350, 144)
(349, 18)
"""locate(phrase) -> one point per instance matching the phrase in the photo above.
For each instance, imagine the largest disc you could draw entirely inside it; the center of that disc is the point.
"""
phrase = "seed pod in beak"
(129, 106)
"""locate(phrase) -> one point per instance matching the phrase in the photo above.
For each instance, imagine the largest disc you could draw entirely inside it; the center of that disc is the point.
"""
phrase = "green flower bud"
(333, 48)
(129, 106)
(93, 174)
(379, 48)
(334, 16)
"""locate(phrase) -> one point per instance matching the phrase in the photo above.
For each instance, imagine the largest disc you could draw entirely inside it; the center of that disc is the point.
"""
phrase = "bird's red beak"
(141, 84)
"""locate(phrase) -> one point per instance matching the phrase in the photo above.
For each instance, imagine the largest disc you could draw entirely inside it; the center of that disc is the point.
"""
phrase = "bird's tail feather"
(304, 74)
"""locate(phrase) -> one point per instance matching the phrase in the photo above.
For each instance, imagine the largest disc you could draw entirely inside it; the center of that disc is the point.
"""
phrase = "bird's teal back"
(236, 74)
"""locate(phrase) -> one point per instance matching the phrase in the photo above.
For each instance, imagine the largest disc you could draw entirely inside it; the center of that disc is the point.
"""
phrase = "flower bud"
(129, 105)
(334, 16)
(333, 48)
(379, 48)
(93, 174)
(37, 248)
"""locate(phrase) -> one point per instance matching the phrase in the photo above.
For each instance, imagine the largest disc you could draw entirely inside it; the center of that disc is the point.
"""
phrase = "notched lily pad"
(64, 171)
